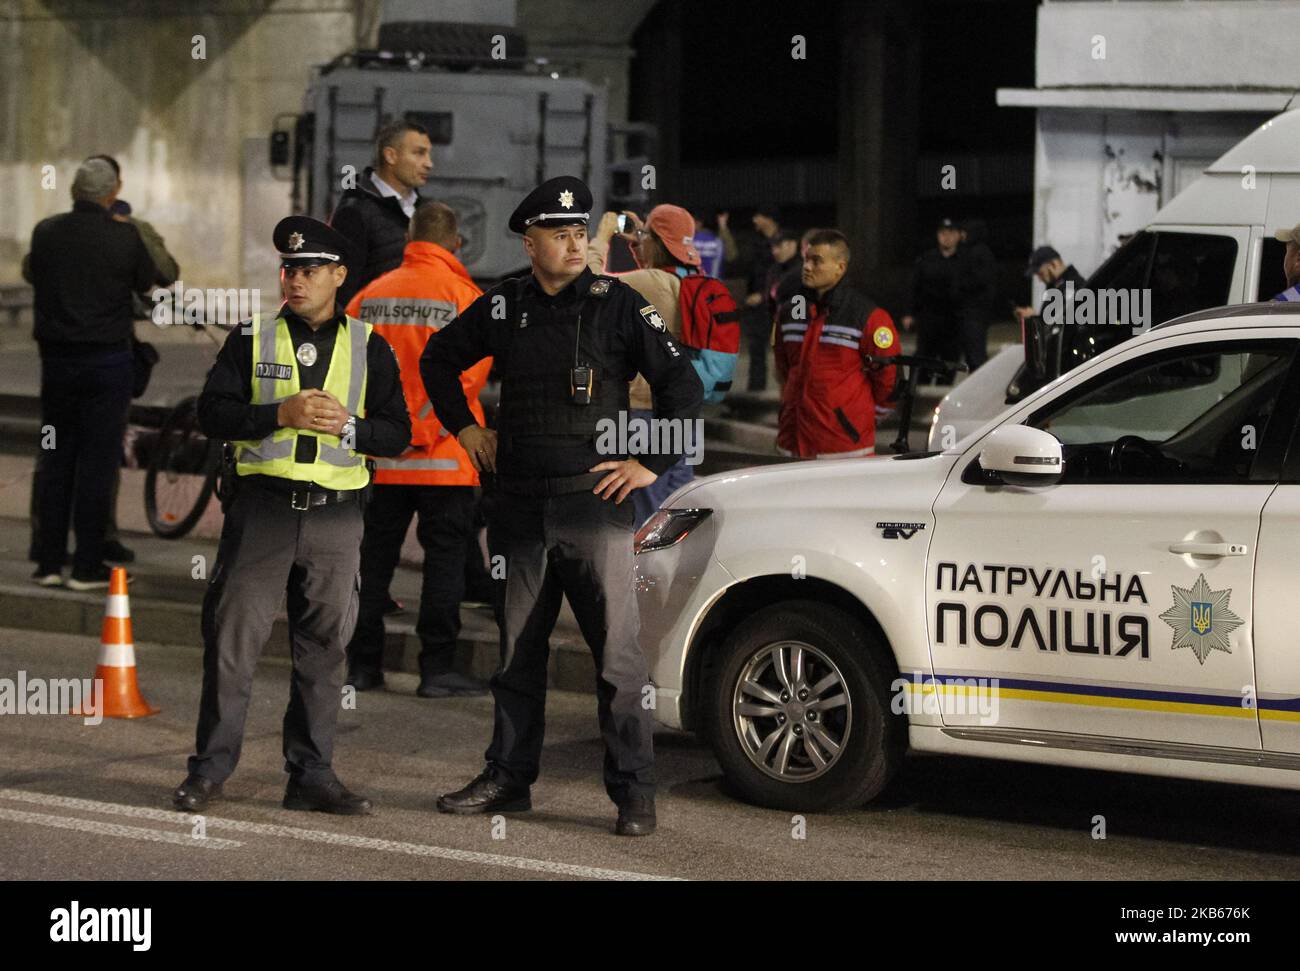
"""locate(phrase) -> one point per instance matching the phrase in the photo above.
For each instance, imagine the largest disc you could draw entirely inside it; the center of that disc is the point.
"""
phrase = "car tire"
(835, 650)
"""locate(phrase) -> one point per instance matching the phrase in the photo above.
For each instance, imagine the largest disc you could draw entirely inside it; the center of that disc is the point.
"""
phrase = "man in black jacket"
(934, 304)
(1047, 264)
(303, 396)
(374, 214)
(756, 319)
(976, 292)
(168, 272)
(85, 266)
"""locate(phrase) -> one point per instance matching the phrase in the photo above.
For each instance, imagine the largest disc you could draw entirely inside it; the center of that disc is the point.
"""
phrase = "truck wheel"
(801, 716)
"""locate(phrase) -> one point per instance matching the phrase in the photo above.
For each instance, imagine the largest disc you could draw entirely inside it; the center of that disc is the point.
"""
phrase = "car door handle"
(1210, 549)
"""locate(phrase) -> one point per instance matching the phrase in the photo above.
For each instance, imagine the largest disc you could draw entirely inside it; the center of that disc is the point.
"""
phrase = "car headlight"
(668, 527)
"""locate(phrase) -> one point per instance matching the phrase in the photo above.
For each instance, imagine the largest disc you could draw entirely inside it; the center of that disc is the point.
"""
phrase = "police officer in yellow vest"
(304, 396)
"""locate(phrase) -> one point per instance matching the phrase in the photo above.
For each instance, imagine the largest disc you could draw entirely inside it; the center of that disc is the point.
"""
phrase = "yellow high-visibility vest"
(275, 378)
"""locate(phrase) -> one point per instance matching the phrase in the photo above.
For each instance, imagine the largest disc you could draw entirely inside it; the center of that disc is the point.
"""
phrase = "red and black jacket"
(831, 388)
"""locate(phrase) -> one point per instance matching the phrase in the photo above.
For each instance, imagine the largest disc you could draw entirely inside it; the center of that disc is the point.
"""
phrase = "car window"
(1272, 277)
(1195, 414)
(1190, 272)
(1126, 269)
(1184, 272)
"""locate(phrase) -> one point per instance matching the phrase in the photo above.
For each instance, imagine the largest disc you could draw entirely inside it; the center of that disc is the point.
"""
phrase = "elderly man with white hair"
(85, 265)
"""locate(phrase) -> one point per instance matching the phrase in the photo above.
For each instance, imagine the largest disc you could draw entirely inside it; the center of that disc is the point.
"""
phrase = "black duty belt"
(559, 485)
(303, 497)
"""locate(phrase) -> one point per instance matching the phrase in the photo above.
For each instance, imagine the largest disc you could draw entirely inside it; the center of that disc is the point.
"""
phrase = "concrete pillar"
(879, 104)
(597, 48)
(661, 89)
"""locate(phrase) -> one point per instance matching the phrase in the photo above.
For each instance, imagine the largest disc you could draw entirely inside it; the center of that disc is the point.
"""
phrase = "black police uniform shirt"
(934, 285)
(635, 347)
(226, 411)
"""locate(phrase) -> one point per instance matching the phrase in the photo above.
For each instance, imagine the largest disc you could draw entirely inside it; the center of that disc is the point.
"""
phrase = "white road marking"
(116, 829)
(322, 836)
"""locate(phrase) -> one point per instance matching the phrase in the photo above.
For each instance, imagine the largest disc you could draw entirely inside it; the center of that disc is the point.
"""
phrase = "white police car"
(1107, 575)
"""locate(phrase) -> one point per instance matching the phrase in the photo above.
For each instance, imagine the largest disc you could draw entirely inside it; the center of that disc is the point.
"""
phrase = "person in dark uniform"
(934, 301)
(566, 343)
(303, 397)
(977, 290)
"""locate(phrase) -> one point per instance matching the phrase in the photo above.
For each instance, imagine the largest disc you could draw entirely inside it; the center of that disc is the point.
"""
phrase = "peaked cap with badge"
(562, 201)
(303, 241)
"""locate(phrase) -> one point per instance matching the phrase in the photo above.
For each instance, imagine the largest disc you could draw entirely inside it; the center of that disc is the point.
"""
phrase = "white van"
(1211, 246)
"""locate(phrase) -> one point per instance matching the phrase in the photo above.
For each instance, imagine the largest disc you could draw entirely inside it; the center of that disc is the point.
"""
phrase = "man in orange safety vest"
(434, 478)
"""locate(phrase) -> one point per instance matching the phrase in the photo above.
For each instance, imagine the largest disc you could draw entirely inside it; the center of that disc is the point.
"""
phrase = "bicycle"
(186, 468)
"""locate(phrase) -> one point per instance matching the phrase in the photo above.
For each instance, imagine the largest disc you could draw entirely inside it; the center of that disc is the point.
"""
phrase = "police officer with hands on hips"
(303, 397)
(566, 344)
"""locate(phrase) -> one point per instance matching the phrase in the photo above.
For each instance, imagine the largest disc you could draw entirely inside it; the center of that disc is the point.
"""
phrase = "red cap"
(676, 227)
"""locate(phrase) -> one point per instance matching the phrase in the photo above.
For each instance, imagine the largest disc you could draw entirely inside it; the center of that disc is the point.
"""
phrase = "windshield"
(1154, 277)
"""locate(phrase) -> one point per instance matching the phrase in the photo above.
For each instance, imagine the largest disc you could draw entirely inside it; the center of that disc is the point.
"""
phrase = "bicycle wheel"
(182, 473)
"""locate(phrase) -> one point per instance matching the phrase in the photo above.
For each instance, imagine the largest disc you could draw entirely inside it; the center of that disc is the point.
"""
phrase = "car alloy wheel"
(791, 711)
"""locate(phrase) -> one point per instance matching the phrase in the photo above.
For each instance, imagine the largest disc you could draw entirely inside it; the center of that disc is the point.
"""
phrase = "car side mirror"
(1021, 455)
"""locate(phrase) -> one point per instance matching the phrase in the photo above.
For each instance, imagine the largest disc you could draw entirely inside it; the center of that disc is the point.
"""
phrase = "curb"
(175, 623)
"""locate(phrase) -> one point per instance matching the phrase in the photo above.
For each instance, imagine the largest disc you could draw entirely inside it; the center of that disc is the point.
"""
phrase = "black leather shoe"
(449, 685)
(366, 679)
(327, 797)
(636, 817)
(484, 795)
(194, 794)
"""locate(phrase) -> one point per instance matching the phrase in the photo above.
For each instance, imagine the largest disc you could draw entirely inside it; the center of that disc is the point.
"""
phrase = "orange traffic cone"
(122, 698)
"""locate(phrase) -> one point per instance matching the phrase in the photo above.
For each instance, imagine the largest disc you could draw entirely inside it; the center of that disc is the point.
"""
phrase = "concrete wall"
(598, 46)
(81, 78)
(1099, 172)
(1152, 43)
(1099, 175)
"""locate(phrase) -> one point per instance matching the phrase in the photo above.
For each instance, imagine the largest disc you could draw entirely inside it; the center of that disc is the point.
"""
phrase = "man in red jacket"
(827, 339)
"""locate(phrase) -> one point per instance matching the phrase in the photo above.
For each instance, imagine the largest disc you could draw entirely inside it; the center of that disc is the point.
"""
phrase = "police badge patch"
(1201, 620)
(651, 317)
(599, 288)
(306, 354)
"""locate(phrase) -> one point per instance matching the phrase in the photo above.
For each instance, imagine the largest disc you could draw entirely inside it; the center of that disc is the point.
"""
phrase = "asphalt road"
(92, 802)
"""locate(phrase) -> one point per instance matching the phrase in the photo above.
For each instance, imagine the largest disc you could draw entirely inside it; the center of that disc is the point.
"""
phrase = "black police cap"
(1044, 254)
(561, 201)
(303, 241)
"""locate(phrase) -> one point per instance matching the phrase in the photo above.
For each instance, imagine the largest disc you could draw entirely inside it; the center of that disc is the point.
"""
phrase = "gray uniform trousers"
(578, 546)
(267, 549)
